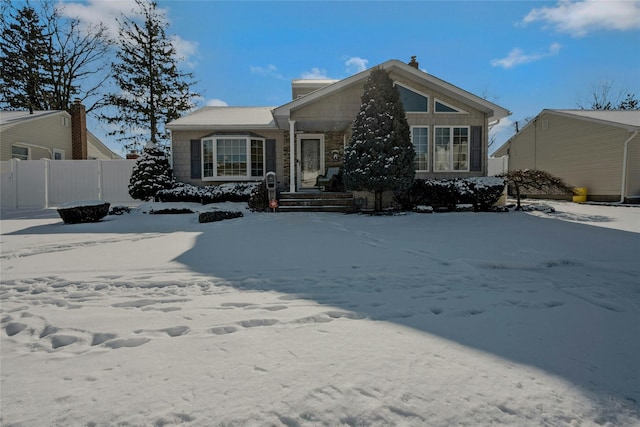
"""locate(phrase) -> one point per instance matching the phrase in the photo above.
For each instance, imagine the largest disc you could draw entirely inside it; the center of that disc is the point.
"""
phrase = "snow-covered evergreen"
(380, 156)
(151, 173)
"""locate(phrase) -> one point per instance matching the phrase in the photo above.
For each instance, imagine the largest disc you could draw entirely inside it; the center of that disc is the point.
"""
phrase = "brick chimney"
(78, 131)
(414, 63)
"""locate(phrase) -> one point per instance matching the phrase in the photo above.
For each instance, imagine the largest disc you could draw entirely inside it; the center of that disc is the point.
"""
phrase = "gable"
(401, 73)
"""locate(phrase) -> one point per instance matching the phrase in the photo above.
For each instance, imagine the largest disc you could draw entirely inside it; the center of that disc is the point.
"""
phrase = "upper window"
(232, 157)
(58, 154)
(413, 101)
(443, 107)
(420, 139)
(18, 152)
(451, 149)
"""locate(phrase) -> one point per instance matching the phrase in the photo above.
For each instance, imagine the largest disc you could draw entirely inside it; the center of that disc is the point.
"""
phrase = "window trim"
(451, 135)
(21, 146)
(61, 152)
(428, 148)
(446, 104)
(214, 142)
(419, 93)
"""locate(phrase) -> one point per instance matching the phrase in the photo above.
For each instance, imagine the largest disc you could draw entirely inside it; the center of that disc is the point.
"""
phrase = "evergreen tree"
(380, 156)
(23, 50)
(152, 90)
(151, 174)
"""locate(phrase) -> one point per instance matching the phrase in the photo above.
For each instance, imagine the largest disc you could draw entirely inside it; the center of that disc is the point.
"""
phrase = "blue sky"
(522, 55)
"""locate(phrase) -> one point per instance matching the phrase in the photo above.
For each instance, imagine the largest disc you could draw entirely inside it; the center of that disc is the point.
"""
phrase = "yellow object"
(580, 195)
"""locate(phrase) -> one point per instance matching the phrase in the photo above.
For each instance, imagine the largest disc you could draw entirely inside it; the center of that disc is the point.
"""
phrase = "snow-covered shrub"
(151, 174)
(78, 212)
(217, 216)
(259, 199)
(119, 210)
(235, 192)
(485, 192)
(444, 194)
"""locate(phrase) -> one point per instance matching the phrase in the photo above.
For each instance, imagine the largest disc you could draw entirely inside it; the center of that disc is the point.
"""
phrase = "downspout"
(624, 166)
(292, 159)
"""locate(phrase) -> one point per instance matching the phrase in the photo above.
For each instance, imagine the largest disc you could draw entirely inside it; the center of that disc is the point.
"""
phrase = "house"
(56, 135)
(595, 149)
(301, 139)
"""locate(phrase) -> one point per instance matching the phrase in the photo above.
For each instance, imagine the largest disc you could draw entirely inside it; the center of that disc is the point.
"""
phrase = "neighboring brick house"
(56, 135)
(595, 149)
(449, 129)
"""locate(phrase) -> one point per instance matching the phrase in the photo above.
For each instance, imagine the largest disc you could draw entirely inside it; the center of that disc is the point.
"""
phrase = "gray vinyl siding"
(46, 131)
(344, 105)
(181, 153)
(584, 153)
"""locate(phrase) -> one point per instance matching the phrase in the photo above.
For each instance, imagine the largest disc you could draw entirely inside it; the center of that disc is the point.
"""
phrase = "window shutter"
(196, 159)
(270, 155)
(476, 148)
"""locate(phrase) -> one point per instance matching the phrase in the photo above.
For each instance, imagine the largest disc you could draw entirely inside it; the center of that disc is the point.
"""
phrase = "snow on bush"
(151, 174)
(232, 192)
(444, 194)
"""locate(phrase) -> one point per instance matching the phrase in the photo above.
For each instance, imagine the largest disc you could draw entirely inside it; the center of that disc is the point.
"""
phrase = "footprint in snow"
(129, 342)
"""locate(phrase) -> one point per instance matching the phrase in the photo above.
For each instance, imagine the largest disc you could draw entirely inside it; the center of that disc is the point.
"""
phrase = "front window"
(18, 152)
(420, 139)
(232, 157)
(451, 149)
(413, 102)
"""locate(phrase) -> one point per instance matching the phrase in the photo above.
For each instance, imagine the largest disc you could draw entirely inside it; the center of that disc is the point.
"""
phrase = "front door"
(310, 160)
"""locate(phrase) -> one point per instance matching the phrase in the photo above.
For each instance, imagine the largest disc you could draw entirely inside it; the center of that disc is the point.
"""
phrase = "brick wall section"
(79, 149)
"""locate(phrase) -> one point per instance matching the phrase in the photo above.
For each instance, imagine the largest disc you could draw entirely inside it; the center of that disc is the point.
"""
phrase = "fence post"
(14, 182)
(100, 178)
(47, 178)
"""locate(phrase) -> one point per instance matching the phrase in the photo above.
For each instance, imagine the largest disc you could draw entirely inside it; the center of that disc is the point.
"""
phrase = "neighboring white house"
(595, 149)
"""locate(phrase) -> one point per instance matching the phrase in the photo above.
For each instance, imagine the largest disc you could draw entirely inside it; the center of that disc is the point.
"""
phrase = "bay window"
(451, 149)
(232, 158)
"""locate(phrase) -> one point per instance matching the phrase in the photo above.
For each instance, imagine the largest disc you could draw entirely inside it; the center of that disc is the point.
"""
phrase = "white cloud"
(581, 17)
(216, 103)
(100, 12)
(356, 64)
(96, 12)
(268, 71)
(185, 50)
(315, 73)
(518, 57)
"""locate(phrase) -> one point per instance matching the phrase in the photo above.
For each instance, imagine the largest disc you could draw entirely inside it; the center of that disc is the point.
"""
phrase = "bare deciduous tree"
(522, 179)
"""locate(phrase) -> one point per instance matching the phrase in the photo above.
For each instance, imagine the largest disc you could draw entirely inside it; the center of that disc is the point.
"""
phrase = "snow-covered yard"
(300, 319)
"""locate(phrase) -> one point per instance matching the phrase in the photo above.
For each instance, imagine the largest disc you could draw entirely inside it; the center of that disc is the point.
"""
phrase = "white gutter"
(36, 146)
(624, 166)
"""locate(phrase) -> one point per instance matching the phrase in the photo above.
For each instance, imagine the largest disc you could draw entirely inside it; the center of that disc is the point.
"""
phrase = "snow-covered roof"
(226, 118)
(12, 117)
(621, 118)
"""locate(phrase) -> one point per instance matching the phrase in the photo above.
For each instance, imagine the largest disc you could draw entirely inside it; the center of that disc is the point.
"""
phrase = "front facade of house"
(49, 135)
(303, 138)
(597, 150)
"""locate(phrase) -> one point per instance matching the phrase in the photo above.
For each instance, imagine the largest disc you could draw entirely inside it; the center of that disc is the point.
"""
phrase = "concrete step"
(316, 202)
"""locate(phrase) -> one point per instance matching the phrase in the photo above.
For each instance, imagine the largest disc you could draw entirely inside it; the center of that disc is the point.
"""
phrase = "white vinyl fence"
(44, 183)
(498, 165)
